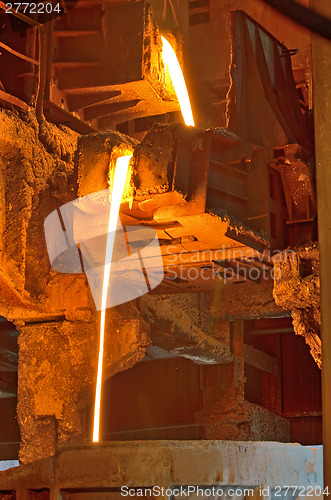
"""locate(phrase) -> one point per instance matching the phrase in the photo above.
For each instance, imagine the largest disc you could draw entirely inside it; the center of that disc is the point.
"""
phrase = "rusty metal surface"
(12, 102)
(193, 187)
(297, 183)
(206, 167)
(172, 185)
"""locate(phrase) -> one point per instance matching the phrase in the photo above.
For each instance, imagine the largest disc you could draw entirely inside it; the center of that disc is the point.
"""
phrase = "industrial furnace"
(159, 255)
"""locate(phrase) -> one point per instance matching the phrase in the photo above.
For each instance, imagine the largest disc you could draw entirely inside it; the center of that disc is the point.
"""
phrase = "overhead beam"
(271, 331)
(261, 360)
(109, 108)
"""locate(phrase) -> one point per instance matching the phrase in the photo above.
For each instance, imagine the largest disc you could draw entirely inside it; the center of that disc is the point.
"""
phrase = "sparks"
(177, 78)
(121, 170)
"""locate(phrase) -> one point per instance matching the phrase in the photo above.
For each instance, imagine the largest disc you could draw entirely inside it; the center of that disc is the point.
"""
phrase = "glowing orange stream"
(177, 78)
(121, 170)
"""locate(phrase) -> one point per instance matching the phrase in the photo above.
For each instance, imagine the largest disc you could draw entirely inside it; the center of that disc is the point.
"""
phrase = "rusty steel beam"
(10, 101)
(18, 54)
(261, 360)
(321, 52)
(310, 19)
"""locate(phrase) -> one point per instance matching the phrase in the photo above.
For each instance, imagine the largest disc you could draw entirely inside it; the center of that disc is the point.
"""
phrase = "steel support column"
(321, 51)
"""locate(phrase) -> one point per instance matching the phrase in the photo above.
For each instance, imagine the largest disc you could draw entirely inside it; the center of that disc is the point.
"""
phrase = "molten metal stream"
(177, 78)
(121, 170)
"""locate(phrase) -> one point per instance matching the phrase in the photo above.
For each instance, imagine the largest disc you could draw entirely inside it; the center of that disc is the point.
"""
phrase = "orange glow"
(121, 170)
(177, 78)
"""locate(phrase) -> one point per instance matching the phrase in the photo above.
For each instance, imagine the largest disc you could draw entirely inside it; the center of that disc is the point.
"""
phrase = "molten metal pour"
(177, 78)
(121, 170)
(122, 164)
